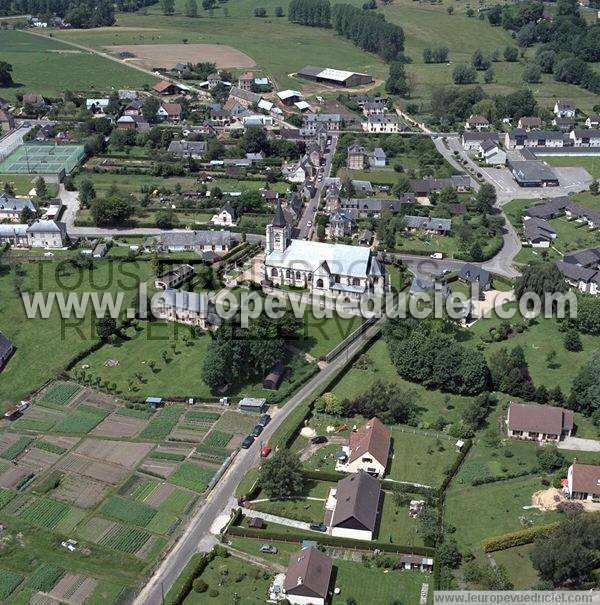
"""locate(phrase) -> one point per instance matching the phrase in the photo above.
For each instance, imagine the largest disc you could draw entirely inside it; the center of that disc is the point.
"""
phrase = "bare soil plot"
(11, 477)
(74, 588)
(39, 418)
(95, 469)
(123, 453)
(65, 442)
(159, 495)
(7, 439)
(159, 467)
(96, 529)
(184, 435)
(101, 400)
(81, 491)
(166, 55)
(119, 426)
(184, 450)
(40, 459)
(147, 548)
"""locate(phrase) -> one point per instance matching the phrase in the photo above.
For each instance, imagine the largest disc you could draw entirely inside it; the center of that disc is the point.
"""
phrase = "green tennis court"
(39, 158)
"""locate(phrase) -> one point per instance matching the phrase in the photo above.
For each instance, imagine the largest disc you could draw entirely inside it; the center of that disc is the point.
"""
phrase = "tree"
(105, 327)
(397, 83)
(166, 219)
(546, 59)
(489, 75)
(260, 12)
(588, 314)
(475, 252)
(281, 476)
(549, 459)
(532, 74)
(511, 54)
(167, 6)
(328, 403)
(572, 340)
(566, 555)
(479, 61)
(428, 526)
(6, 74)
(41, 190)
(485, 198)
(594, 187)
(111, 211)
(448, 554)
(150, 108)
(463, 74)
(191, 8)
(585, 392)
(87, 193)
(540, 278)
(278, 11)
(199, 585)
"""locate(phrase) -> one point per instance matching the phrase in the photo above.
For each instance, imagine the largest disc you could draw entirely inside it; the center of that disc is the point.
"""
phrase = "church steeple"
(278, 232)
(279, 218)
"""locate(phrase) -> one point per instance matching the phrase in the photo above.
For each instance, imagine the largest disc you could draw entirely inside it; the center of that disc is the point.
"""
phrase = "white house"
(490, 152)
(327, 269)
(477, 122)
(538, 422)
(368, 449)
(352, 507)
(565, 108)
(46, 234)
(382, 123)
(593, 121)
(226, 216)
(307, 578)
(96, 105)
(585, 137)
(583, 481)
(184, 307)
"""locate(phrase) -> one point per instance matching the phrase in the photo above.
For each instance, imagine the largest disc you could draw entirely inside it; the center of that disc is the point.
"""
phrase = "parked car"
(318, 440)
(257, 430)
(248, 441)
(267, 548)
(318, 526)
(436, 255)
(309, 224)
(264, 420)
(265, 450)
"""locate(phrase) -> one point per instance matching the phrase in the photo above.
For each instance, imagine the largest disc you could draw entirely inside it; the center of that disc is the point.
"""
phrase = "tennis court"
(39, 158)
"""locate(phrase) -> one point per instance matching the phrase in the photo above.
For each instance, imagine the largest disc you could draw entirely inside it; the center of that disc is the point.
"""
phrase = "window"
(288, 273)
(298, 275)
(273, 272)
(355, 281)
(319, 283)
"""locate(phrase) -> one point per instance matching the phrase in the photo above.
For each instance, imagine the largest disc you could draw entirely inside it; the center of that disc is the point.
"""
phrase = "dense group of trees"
(79, 13)
(368, 30)
(424, 353)
(131, 6)
(5, 74)
(237, 354)
(585, 392)
(437, 54)
(316, 13)
(110, 211)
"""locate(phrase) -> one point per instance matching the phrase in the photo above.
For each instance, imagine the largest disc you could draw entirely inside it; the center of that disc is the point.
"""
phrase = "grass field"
(127, 511)
(396, 525)
(518, 566)
(37, 60)
(591, 164)
(432, 404)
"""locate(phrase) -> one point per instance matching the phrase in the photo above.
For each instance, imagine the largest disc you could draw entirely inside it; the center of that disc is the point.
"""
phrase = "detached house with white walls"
(539, 422)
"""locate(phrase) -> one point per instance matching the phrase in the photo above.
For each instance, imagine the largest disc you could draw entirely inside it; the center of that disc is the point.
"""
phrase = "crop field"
(205, 417)
(44, 578)
(37, 60)
(143, 414)
(162, 523)
(127, 511)
(81, 420)
(61, 393)
(45, 513)
(13, 450)
(119, 426)
(5, 497)
(125, 539)
(161, 424)
(193, 476)
(218, 439)
(49, 447)
(9, 580)
(177, 501)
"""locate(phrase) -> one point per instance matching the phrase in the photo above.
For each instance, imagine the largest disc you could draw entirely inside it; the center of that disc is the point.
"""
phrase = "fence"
(350, 339)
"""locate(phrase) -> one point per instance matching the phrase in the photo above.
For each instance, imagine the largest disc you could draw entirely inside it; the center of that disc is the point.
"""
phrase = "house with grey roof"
(331, 122)
(218, 242)
(188, 149)
(372, 207)
(491, 153)
(472, 140)
(551, 208)
(585, 137)
(581, 270)
(6, 350)
(227, 216)
(13, 235)
(307, 578)
(533, 173)
(473, 274)
(538, 233)
(352, 507)
(340, 225)
(46, 234)
(174, 278)
(12, 207)
(428, 224)
(184, 307)
(383, 123)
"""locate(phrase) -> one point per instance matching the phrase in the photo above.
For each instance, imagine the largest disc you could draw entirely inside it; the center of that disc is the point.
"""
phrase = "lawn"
(31, 365)
(127, 511)
(518, 566)
(252, 546)
(396, 526)
(363, 583)
(193, 476)
(432, 404)
(50, 67)
(230, 577)
(493, 509)
(540, 339)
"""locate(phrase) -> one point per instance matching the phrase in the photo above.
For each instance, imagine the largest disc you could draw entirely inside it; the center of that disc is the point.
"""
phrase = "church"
(326, 269)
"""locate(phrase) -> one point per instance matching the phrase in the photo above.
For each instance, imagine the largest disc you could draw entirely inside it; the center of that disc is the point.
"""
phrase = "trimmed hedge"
(516, 538)
(183, 585)
(266, 534)
(455, 465)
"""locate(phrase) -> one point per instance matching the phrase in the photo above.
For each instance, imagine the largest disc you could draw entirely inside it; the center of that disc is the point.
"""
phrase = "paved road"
(197, 536)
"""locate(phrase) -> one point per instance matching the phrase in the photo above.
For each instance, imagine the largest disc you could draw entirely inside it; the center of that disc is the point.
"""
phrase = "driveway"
(579, 444)
(280, 520)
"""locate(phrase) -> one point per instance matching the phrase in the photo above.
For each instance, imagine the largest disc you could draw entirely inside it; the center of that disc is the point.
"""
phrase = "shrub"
(516, 538)
(213, 592)
(199, 585)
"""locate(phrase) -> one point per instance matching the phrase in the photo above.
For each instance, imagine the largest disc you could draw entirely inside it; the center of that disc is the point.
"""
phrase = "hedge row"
(516, 538)
(247, 532)
(183, 585)
(455, 465)
(495, 478)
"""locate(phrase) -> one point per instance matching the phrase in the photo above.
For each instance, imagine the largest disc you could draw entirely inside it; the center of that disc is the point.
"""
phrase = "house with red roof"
(583, 481)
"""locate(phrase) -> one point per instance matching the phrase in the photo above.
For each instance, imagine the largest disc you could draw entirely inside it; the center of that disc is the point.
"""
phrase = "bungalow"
(6, 350)
(226, 216)
(538, 233)
(166, 88)
(174, 278)
(472, 140)
(383, 123)
(529, 123)
(586, 280)
(474, 275)
(169, 111)
(307, 578)
(352, 507)
(418, 562)
(583, 481)
(491, 153)
(539, 422)
(430, 225)
(565, 108)
(565, 124)
(188, 149)
(184, 307)
(477, 122)
(368, 449)
(549, 209)
(585, 137)
(11, 207)
(593, 120)
(201, 242)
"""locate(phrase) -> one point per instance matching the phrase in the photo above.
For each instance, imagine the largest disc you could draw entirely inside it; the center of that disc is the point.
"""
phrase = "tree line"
(316, 13)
